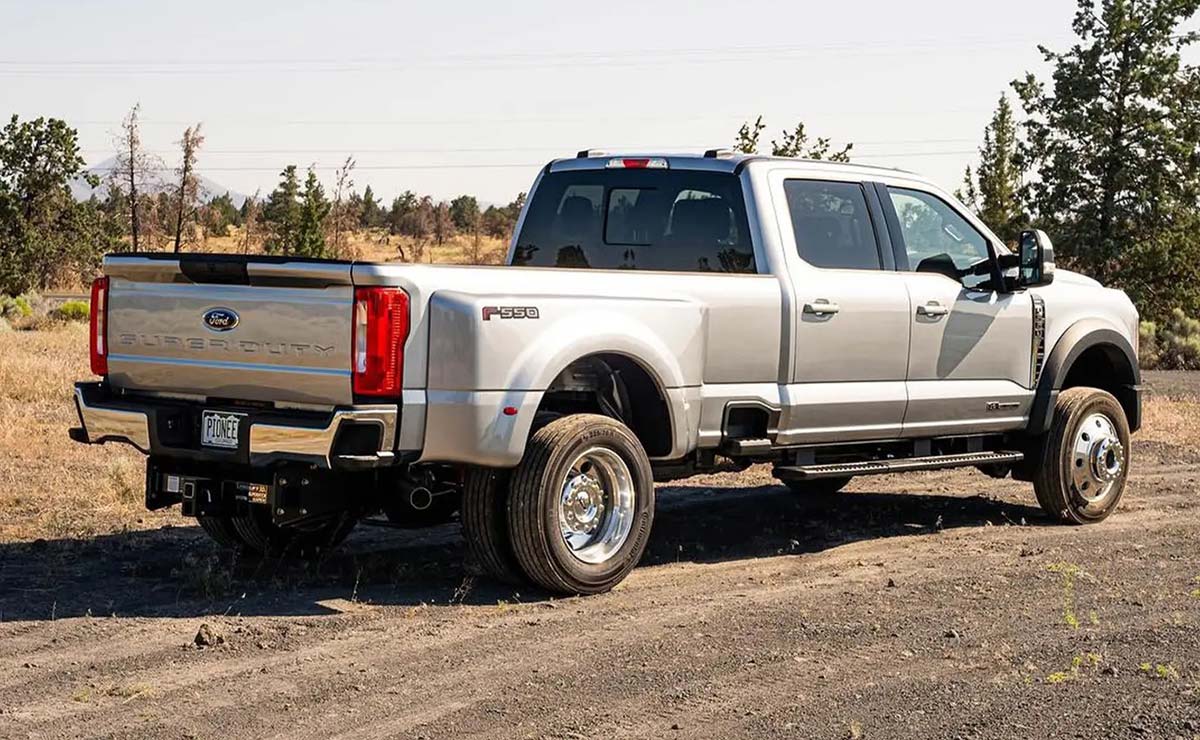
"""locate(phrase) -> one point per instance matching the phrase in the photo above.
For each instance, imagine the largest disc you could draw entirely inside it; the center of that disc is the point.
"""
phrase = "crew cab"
(658, 316)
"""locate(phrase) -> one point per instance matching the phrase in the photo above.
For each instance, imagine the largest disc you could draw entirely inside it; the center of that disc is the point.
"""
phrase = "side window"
(936, 238)
(832, 224)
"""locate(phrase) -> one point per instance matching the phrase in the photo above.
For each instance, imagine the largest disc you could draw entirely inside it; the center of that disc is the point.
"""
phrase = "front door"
(969, 366)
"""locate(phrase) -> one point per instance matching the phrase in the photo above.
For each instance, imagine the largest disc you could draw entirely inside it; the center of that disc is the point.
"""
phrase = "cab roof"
(714, 160)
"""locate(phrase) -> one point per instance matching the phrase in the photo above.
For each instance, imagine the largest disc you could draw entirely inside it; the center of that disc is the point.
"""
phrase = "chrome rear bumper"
(165, 428)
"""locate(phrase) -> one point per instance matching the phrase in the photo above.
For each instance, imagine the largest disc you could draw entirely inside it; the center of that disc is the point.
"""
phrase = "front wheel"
(1084, 459)
(581, 504)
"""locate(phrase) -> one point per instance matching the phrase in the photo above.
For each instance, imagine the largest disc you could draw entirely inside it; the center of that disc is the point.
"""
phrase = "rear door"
(969, 366)
(850, 348)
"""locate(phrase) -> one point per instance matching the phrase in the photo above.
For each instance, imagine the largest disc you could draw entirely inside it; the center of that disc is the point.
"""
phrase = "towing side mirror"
(1037, 259)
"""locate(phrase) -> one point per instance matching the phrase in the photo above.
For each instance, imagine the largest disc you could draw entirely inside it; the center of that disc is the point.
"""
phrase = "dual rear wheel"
(256, 534)
(573, 517)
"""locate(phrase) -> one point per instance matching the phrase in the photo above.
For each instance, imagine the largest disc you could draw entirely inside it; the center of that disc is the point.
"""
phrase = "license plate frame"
(221, 430)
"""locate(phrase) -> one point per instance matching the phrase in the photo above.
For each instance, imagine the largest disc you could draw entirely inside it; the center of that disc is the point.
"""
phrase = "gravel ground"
(938, 605)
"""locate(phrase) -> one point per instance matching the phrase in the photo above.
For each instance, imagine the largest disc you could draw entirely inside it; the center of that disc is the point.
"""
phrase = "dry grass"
(376, 245)
(51, 487)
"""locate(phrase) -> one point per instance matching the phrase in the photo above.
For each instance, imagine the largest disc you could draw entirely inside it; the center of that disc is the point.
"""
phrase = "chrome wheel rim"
(595, 506)
(1097, 458)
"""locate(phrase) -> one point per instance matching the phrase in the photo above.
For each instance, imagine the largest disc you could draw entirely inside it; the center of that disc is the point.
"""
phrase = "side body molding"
(1080, 337)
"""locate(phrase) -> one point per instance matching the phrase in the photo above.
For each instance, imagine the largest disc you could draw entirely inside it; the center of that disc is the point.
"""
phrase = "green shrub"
(1148, 345)
(1174, 346)
(15, 309)
(72, 311)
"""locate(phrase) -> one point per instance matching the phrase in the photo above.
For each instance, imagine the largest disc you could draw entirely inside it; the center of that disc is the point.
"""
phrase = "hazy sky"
(468, 96)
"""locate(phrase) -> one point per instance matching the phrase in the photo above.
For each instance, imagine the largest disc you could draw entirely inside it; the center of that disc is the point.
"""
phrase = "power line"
(356, 151)
(478, 165)
(556, 58)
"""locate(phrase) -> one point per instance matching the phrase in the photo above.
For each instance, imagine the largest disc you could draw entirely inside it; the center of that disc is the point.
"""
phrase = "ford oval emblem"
(221, 319)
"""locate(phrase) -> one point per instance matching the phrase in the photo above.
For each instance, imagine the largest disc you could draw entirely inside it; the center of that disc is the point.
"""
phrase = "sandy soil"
(938, 605)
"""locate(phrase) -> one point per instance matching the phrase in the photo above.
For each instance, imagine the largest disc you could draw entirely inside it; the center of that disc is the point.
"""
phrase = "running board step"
(898, 465)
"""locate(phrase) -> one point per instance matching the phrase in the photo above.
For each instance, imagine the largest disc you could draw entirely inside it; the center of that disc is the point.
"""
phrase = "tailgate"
(231, 327)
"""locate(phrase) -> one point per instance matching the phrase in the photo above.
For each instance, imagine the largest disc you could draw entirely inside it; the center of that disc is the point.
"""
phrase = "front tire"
(581, 505)
(1083, 461)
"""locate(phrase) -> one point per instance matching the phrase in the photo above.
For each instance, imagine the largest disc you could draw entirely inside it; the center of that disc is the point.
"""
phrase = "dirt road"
(926, 606)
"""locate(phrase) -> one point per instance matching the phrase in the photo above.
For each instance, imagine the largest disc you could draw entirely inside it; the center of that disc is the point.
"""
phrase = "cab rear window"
(637, 219)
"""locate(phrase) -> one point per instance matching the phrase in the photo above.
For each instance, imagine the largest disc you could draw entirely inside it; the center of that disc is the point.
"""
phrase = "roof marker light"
(638, 163)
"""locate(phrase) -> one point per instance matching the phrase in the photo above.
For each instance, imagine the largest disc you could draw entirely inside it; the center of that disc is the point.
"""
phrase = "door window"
(936, 238)
(832, 224)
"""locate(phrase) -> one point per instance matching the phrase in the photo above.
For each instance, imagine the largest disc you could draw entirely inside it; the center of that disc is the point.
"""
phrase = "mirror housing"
(1037, 259)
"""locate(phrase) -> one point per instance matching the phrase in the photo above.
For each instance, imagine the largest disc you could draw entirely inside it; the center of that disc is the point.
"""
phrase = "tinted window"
(637, 219)
(936, 237)
(832, 225)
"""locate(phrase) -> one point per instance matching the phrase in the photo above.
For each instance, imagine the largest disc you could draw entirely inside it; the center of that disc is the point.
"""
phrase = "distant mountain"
(208, 188)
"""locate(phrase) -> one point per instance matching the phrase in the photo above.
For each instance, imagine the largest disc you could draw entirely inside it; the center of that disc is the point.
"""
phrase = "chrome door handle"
(821, 307)
(933, 308)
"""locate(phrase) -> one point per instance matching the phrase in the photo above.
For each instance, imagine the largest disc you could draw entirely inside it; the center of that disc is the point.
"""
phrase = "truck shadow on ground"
(177, 572)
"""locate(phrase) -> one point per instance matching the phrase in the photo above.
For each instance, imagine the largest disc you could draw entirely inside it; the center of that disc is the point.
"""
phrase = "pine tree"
(370, 214)
(994, 190)
(1114, 142)
(310, 236)
(281, 214)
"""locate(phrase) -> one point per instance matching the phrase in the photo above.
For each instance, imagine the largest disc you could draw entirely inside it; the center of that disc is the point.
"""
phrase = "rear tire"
(1083, 461)
(220, 529)
(581, 505)
(485, 524)
(817, 487)
(262, 536)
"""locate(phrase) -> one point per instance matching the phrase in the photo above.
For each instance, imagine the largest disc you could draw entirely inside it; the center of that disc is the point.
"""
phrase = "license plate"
(220, 429)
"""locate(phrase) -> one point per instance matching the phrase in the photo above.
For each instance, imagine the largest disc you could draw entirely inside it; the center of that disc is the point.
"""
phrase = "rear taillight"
(98, 338)
(380, 329)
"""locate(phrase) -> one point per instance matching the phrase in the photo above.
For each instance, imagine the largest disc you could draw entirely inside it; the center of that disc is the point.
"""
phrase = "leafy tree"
(794, 143)
(188, 195)
(1114, 142)
(994, 191)
(499, 222)
(44, 233)
(464, 211)
(310, 236)
(443, 222)
(281, 214)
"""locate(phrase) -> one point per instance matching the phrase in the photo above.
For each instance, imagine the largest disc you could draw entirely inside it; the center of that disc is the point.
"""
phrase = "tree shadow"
(178, 572)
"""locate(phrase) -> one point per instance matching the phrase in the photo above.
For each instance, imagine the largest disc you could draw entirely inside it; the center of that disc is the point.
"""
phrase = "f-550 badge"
(510, 312)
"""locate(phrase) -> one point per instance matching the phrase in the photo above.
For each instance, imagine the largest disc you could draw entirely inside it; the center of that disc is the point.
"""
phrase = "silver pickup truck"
(659, 316)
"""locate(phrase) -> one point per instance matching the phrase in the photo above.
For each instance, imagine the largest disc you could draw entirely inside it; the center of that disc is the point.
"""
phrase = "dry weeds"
(51, 487)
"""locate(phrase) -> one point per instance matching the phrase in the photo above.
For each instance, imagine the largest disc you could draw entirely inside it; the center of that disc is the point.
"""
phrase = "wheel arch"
(649, 414)
(1089, 353)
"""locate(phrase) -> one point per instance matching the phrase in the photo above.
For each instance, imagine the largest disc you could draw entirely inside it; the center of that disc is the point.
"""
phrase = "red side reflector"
(380, 330)
(98, 323)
